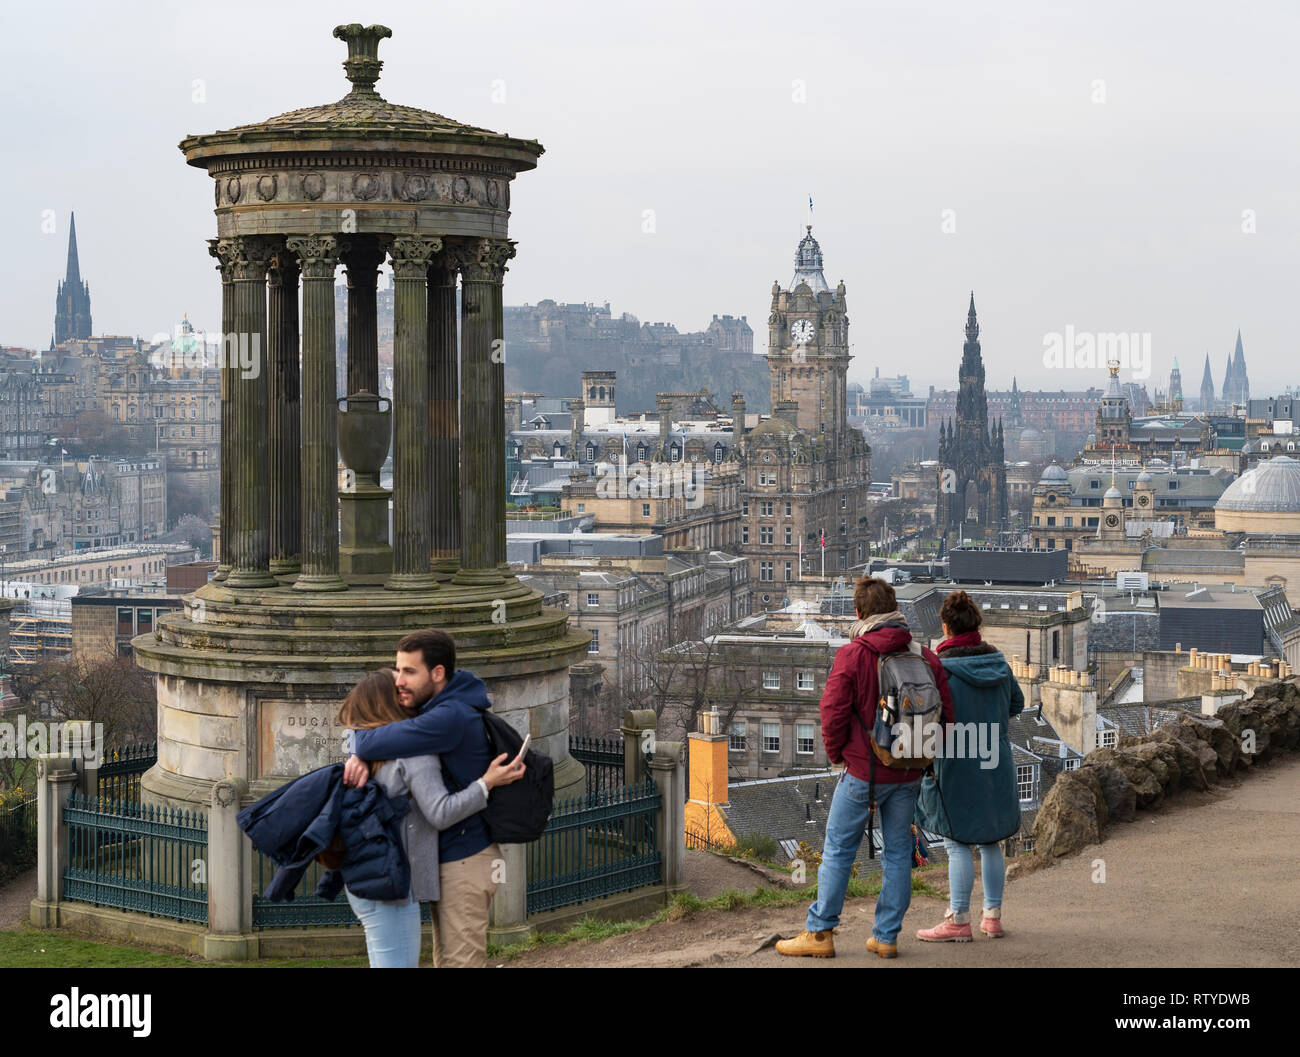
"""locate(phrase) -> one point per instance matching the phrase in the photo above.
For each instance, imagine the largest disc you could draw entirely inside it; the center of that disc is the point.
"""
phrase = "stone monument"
(252, 669)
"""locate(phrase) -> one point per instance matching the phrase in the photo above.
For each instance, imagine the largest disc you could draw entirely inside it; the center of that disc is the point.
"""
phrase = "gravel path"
(1208, 880)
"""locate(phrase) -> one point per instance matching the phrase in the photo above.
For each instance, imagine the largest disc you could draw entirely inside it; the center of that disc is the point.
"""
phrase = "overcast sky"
(1098, 160)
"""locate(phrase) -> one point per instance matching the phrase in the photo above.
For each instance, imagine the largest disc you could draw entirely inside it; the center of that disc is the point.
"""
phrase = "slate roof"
(795, 809)
(1135, 719)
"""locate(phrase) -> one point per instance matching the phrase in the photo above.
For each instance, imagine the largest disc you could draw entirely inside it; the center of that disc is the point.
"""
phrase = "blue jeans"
(392, 932)
(961, 875)
(845, 827)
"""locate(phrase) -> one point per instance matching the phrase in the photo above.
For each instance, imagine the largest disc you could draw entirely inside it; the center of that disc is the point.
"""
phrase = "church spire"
(972, 326)
(73, 278)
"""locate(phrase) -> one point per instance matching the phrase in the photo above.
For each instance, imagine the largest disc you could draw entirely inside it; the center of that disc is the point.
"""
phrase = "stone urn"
(365, 430)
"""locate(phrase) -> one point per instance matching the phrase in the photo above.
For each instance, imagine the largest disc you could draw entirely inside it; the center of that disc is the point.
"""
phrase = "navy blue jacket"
(292, 825)
(450, 725)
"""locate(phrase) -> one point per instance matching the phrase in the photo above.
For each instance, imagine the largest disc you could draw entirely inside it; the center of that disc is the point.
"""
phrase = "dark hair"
(436, 646)
(960, 613)
(871, 596)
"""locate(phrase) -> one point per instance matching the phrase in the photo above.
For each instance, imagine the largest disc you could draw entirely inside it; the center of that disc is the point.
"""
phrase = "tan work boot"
(808, 945)
(885, 950)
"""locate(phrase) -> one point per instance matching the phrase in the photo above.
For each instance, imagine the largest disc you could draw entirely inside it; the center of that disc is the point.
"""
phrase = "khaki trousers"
(460, 917)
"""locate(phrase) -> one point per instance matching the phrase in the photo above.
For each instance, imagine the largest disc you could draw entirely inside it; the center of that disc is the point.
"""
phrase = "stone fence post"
(230, 933)
(56, 777)
(638, 733)
(668, 768)
(509, 918)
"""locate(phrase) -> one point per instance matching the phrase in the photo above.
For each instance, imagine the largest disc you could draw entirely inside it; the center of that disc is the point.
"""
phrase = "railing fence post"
(230, 933)
(56, 777)
(668, 767)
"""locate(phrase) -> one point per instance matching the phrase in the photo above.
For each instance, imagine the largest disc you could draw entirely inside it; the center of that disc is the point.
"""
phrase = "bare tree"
(112, 691)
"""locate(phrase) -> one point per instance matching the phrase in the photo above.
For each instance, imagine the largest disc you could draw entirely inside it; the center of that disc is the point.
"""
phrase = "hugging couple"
(385, 823)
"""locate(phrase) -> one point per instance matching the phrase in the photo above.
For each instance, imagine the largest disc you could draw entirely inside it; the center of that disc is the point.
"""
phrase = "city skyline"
(1115, 181)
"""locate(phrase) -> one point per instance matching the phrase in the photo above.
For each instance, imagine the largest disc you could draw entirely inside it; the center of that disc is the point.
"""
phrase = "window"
(789, 537)
(787, 508)
(771, 737)
(594, 645)
(804, 734)
(771, 680)
(1107, 738)
(736, 737)
(804, 681)
(765, 570)
(645, 509)
(1056, 645)
(844, 502)
(1071, 764)
(593, 600)
(1051, 521)
(789, 571)
(1025, 781)
(144, 621)
(744, 508)
(125, 621)
(582, 508)
(765, 534)
(717, 452)
(1069, 522)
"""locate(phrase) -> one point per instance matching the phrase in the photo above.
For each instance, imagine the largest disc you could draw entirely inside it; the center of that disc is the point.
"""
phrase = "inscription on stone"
(298, 736)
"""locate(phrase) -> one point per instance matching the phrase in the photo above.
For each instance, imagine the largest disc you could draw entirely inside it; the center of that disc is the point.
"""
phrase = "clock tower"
(808, 349)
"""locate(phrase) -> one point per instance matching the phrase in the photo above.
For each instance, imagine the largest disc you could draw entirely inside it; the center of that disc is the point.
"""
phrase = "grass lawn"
(33, 949)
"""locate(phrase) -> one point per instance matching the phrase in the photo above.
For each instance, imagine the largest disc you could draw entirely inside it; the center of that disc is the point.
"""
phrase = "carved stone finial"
(363, 64)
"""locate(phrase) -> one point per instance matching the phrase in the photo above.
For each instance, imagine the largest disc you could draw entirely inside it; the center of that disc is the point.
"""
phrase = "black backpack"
(517, 813)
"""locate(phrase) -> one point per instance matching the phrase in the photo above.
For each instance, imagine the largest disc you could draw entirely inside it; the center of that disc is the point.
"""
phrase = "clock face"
(1143, 500)
(1112, 520)
(802, 331)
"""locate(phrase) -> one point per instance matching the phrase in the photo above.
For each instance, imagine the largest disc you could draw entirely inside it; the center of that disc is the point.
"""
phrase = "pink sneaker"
(955, 929)
(992, 923)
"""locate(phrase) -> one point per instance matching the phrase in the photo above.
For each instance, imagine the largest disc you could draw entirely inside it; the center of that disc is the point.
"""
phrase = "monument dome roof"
(1054, 474)
(363, 114)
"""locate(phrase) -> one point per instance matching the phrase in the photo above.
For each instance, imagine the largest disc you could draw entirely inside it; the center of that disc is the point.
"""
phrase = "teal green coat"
(963, 800)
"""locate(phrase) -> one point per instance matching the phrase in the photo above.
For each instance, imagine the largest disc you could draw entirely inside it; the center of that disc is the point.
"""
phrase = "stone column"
(638, 727)
(56, 777)
(412, 533)
(285, 414)
(508, 920)
(483, 391)
(250, 493)
(224, 266)
(230, 933)
(444, 417)
(362, 255)
(668, 769)
(317, 257)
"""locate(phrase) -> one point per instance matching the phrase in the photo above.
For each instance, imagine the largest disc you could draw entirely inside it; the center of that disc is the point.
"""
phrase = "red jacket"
(852, 686)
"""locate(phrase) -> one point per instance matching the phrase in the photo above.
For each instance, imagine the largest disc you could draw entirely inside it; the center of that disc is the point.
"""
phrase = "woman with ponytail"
(971, 798)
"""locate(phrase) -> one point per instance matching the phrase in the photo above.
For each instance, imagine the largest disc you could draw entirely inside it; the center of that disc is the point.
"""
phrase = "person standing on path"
(972, 799)
(848, 713)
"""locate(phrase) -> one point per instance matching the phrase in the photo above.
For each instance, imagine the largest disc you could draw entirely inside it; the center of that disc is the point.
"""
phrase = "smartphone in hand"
(523, 749)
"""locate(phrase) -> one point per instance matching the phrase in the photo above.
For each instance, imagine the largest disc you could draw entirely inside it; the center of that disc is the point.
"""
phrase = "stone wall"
(1112, 785)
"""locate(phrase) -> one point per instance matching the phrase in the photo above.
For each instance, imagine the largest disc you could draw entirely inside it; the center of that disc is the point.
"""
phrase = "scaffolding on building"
(39, 630)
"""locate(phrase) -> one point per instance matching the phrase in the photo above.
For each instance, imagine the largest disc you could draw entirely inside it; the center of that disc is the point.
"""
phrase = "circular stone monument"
(252, 669)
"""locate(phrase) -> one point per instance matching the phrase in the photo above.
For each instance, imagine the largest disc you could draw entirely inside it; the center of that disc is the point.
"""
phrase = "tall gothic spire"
(73, 278)
(72, 303)
(1207, 386)
(972, 326)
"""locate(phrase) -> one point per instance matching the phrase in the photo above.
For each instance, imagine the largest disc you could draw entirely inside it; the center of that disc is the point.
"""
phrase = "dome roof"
(1054, 474)
(1271, 486)
(361, 121)
(1113, 493)
(1145, 476)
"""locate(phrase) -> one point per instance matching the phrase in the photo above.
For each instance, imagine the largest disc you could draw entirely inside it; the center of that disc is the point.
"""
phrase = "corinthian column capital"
(317, 255)
(484, 260)
(411, 255)
(225, 259)
(247, 256)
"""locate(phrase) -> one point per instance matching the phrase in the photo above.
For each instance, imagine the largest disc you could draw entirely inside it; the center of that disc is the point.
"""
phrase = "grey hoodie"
(433, 809)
